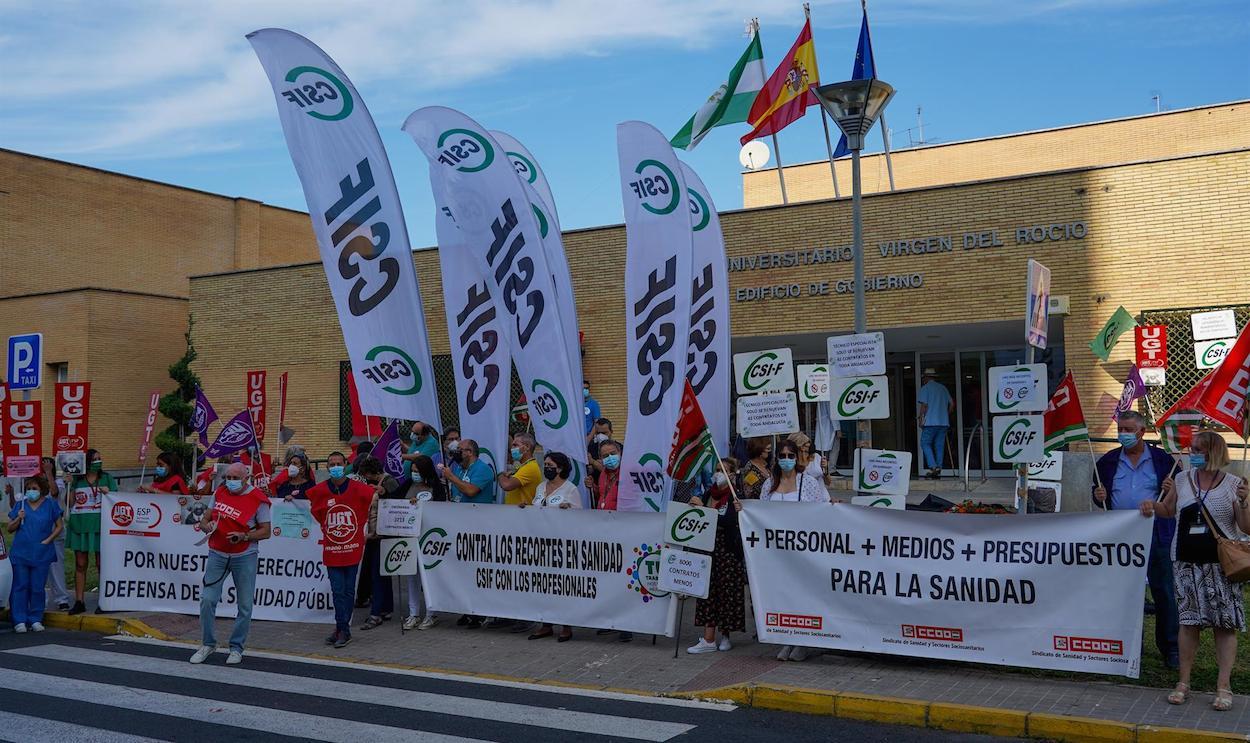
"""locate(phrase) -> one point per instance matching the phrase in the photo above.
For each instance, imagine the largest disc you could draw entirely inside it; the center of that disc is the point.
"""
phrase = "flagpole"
(833, 173)
(885, 129)
(781, 177)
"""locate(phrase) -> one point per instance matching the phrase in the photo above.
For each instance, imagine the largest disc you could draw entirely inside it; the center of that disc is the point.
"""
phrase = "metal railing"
(972, 438)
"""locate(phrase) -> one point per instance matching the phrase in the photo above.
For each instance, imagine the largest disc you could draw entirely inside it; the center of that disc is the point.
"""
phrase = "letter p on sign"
(25, 361)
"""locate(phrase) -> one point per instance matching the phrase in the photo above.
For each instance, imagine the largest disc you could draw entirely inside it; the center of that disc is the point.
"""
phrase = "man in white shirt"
(935, 406)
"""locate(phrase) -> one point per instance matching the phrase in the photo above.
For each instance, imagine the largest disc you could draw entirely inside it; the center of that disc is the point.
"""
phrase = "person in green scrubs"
(82, 532)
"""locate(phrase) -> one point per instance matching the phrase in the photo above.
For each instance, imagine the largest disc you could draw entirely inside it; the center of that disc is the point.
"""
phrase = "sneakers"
(344, 638)
(236, 657)
(63, 606)
(410, 623)
(463, 620)
(429, 621)
(202, 654)
(473, 623)
(333, 636)
(36, 626)
(20, 628)
(798, 654)
(724, 645)
(702, 646)
(785, 652)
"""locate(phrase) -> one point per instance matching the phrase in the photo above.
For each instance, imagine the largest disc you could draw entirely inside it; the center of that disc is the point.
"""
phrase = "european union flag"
(863, 69)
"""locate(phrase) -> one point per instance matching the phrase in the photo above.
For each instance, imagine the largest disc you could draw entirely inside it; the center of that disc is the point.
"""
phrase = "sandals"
(1223, 700)
(1180, 694)
(541, 634)
(371, 623)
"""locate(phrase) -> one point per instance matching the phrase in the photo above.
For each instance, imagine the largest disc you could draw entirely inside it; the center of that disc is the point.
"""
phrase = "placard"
(1050, 468)
(897, 502)
(813, 382)
(398, 518)
(398, 556)
(73, 411)
(1208, 326)
(687, 573)
(1153, 376)
(860, 398)
(1019, 439)
(692, 527)
(1152, 347)
(291, 520)
(23, 437)
(857, 355)
(1019, 388)
(1037, 308)
(1210, 354)
(767, 415)
(71, 463)
(763, 371)
(879, 471)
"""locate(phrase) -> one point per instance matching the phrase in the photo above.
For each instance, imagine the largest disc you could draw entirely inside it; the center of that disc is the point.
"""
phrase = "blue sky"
(171, 90)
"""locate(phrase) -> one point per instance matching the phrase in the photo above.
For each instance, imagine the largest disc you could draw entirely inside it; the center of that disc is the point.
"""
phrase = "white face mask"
(600, 438)
(719, 479)
(292, 469)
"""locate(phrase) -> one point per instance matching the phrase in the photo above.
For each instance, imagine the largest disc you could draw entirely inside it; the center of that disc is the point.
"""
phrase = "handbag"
(1234, 554)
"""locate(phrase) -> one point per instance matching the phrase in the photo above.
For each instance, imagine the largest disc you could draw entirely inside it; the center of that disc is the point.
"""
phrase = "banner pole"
(781, 177)
(681, 610)
(1098, 480)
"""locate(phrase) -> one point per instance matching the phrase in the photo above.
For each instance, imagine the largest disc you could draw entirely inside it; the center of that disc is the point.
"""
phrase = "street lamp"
(855, 105)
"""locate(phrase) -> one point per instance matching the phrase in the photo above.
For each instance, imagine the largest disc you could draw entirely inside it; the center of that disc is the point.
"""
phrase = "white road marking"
(24, 727)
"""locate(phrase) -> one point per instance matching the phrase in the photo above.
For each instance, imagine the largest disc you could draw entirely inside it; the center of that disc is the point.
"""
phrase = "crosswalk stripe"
(261, 719)
(506, 712)
(25, 727)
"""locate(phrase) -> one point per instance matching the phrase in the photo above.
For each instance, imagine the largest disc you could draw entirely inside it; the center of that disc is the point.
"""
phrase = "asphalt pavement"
(80, 687)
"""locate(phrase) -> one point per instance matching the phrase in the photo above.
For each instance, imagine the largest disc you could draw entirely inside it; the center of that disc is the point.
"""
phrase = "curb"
(102, 624)
(959, 718)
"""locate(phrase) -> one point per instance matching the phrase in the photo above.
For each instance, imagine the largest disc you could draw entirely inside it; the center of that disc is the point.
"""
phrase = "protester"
(724, 608)
(556, 491)
(382, 604)
(363, 449)
(203, 484)
(57, 591)
(1134, 473)
(935, 405)
(35, 523)
(811, 460)
(83, 526)
(237, 522)
(787, 482)
(342, 508)
(591, 408)
(470, 477)
(425, 486)
(1206, 494)
(297, 479)
(168, 476)
(755, 473)
(284, 473)
(424, 441)
(520, 487)
(607, 484)
(451, 442)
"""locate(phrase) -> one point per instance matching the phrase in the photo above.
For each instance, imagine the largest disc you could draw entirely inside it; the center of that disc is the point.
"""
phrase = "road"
(68, 686)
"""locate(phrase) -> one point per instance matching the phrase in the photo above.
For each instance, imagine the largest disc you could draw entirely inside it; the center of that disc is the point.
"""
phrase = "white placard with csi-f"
(878, 471)
(1210, 354)
(1050, 468)
(1020, 388)
(692, 527)
(1019, 439)
(860, 398)
(764, 371)
(858, 355)
(813, 382)
(897, 502)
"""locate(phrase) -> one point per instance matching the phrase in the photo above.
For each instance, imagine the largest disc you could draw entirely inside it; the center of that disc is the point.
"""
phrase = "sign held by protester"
(1050, 468)
(813, 382)
(1208, 326)
(686, 573)
(1019, 388)
(1019, 439)
(149, 423)
(1210, 354)
(897, 502)
(692, 527)
(398, 556)
(858, 355)
(767, 415)
(860, 398)
(398, 518)
(23, 437)
(764, 371)
(878, 471)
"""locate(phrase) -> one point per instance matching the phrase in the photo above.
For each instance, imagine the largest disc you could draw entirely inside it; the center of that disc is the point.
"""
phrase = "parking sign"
(25, 361)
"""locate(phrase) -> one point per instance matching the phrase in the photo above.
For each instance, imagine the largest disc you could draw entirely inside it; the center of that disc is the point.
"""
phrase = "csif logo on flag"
(465, 150)
(392, 369)
(656, 187)
(318, 93)
(550, 404)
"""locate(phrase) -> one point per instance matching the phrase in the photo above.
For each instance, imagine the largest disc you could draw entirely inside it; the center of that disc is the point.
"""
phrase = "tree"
(179, 405)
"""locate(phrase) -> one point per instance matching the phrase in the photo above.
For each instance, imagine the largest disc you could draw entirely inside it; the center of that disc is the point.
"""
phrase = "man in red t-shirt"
(342, 508)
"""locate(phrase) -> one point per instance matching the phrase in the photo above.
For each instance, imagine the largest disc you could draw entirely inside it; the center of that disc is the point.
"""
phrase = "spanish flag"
(787, 94)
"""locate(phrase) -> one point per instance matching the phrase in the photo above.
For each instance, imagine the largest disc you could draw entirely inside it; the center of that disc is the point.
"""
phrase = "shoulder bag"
(1234, 554)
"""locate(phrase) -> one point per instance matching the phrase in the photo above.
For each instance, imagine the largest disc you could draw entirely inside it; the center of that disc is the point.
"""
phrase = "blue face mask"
(1197, 460)
(1127, 440)
(336, 471)
(234, 486)
(787, 463)
(33, 495)
(586, 393)
(612, 461)
(162, 471)
(416, 477)
(516, 454)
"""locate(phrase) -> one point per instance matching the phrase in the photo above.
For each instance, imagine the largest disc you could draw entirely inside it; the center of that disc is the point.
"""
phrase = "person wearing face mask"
(167, 477)
(236, 524)
(607, 484)
(83, 526)
(755, 473)
(382, 599)
(724, 609)
(1129, 476)
(296, 480)
(424, 486)
(35, 523)
(556, 491)
(57, 591)
(591, 407)
(423, 441)
(520, 487)
(1207, 501)
(470, 478)
(451, 443)
(341, 506)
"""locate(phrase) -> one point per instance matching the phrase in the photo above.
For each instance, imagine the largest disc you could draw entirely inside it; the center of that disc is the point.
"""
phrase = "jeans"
(383, 599)
(932, 441)
(242, 568)
(27, 598)
(343, 587)
(1163, 591)
(58, 592)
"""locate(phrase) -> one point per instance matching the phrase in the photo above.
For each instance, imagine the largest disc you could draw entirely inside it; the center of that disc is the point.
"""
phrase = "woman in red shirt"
(168, 478)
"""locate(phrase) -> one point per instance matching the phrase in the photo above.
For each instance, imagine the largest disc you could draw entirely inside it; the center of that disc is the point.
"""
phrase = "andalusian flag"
(1065, 421)
(1120, 323)
(731, 102)
(692, 442)
(1179, 422)
(788, 92)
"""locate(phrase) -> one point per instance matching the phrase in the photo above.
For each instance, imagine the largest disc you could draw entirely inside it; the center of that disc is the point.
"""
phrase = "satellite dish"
(754, 155)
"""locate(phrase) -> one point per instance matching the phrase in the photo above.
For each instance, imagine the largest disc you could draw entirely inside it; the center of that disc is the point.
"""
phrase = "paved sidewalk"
(604, 662)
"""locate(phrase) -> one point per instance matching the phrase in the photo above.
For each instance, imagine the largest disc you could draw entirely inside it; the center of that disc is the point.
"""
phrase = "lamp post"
(855, 105)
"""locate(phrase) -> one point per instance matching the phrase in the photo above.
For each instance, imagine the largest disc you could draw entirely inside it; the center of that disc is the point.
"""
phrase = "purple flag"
(1134, 388)
(204, 415)
(389, 449)
(235, 436)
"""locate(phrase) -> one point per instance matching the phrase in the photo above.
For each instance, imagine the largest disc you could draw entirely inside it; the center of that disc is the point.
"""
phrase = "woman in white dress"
(556, 491)
(809, 459)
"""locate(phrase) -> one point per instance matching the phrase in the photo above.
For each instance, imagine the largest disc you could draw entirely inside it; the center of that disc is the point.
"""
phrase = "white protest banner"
(1020, 388)
(692, 527)
(659, 246)
(1037, 307)
(764, 371)
(398, 556)
(1210, 354)
(491, 206)
(859, 355)
(359, 225)
(1061, 591)
(708, 350)
(858, 398)
(544, 565)
(687, 573)
(398, 518)
(883, 472)
(813, 382)
(898, 502)
(767, 415)
(1050, 468)
(1208, 326)
(149, 561)
(1018, 439)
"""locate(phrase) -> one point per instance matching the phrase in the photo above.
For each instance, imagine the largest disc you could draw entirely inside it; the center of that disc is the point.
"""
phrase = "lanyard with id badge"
(1195, 543)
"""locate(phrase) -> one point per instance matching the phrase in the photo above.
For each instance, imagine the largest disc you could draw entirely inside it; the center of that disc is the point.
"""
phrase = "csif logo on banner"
(318, 93)
(656, 187)
(434, 544)
(549, 403)
(523, 167)
(392, 369)
(362, 195)
(465, 150)
(701, 359)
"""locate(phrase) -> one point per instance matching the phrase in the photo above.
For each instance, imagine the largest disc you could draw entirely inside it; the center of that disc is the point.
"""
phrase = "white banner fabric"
(1058, 591)
(359, 225)
(490, 204)
(540, 564)
(708, 354)
(150, 561)
(659, 239)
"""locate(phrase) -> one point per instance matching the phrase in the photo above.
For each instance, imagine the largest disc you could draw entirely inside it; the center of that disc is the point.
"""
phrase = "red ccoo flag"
(1224, 399)
(692, 442)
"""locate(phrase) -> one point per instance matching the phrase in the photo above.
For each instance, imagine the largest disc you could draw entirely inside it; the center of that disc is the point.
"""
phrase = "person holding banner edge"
(1134, 474)
(341, 506)
(82, 533)
(425, 485)
(724, 609)
(520, 487)
(556, 491)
